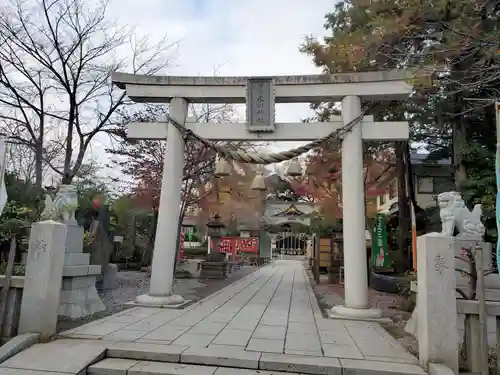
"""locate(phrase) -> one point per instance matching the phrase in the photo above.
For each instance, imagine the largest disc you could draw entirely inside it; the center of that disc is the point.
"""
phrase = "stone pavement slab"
(269, 320)
(150, 352)
(300, 364)
(216, 356)
(111, 366)
(66, 356)
(355, 367)
(147, 368)
(15, 371)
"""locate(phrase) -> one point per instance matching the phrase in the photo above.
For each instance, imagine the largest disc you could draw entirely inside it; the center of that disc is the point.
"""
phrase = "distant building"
(189, 225)
(430, 177)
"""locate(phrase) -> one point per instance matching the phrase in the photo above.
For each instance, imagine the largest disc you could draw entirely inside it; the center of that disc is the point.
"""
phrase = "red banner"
(233, 245)
(181, 247)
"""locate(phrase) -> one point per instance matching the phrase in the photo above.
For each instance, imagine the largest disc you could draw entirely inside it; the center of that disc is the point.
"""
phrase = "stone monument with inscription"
(437, 333)
(43, 279)
(79, 296)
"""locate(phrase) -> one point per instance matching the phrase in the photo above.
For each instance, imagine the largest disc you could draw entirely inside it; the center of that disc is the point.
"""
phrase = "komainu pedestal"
(79, 296)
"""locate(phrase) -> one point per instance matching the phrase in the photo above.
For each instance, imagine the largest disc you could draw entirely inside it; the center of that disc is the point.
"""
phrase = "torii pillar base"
(166, 302)
(348, 313)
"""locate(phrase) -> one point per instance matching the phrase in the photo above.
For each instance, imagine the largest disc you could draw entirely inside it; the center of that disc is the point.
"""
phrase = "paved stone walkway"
(133, 283)
(272, 315)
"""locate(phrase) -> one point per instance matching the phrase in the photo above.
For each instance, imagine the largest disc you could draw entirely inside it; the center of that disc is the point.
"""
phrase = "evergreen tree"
(455, 43)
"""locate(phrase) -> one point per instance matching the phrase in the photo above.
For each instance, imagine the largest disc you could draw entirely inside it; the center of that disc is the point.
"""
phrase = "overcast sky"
(259, 37)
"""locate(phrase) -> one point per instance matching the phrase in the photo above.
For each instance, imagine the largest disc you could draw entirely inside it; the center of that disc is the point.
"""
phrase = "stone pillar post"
(162, 270)
(353, 207)
(437, 306)
(43, 279)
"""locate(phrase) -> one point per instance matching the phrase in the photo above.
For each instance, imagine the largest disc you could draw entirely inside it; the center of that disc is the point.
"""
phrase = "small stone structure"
(214, 266)
(109, 279)
(79, 296)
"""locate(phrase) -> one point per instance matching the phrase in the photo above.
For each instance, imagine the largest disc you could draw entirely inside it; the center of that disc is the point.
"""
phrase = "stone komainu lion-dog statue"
(63, 207)
(454, 214)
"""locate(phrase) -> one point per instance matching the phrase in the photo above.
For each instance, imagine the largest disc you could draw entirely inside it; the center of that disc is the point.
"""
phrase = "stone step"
(151, 356)
(114, 366)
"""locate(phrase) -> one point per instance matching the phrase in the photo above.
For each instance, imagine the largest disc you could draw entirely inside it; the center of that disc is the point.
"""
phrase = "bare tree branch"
(55, 61)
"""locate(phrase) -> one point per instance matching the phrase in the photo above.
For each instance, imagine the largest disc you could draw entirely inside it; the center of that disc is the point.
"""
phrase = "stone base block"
(166, 302)
(347, 313)
(109, 279)
(215, 276)
(77, 282)
(76, 259)
(80, 299)
(74, 239)
(213, 270)
(83, 270)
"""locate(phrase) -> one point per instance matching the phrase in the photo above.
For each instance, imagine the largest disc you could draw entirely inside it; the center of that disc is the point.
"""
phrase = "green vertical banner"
(379, 242)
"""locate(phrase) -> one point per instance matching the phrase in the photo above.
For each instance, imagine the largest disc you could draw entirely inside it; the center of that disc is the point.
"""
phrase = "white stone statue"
(454, 214)
(64, 205)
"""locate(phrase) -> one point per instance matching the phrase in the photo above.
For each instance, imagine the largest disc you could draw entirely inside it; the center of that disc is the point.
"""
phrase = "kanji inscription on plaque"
(260, 104)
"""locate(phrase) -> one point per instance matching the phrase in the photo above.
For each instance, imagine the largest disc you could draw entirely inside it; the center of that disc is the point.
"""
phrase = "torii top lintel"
(378, 85)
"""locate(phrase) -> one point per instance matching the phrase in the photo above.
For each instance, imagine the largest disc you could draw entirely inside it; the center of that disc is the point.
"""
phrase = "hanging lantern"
(294, 169)
(222, 168)
(258, 183)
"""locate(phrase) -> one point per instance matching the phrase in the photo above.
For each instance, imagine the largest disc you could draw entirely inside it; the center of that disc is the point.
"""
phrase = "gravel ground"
(134, 283)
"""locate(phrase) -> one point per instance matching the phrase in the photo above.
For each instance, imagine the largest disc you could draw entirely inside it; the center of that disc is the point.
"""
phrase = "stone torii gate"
(260, 94)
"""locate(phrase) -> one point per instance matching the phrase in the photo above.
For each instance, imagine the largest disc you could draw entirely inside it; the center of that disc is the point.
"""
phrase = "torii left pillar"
(165, 247)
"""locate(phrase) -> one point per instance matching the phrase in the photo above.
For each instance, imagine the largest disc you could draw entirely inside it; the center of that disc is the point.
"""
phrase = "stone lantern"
(214, 266)
(215, 229)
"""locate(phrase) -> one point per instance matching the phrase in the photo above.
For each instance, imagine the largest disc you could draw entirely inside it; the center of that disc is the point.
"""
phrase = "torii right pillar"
(354, 230)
